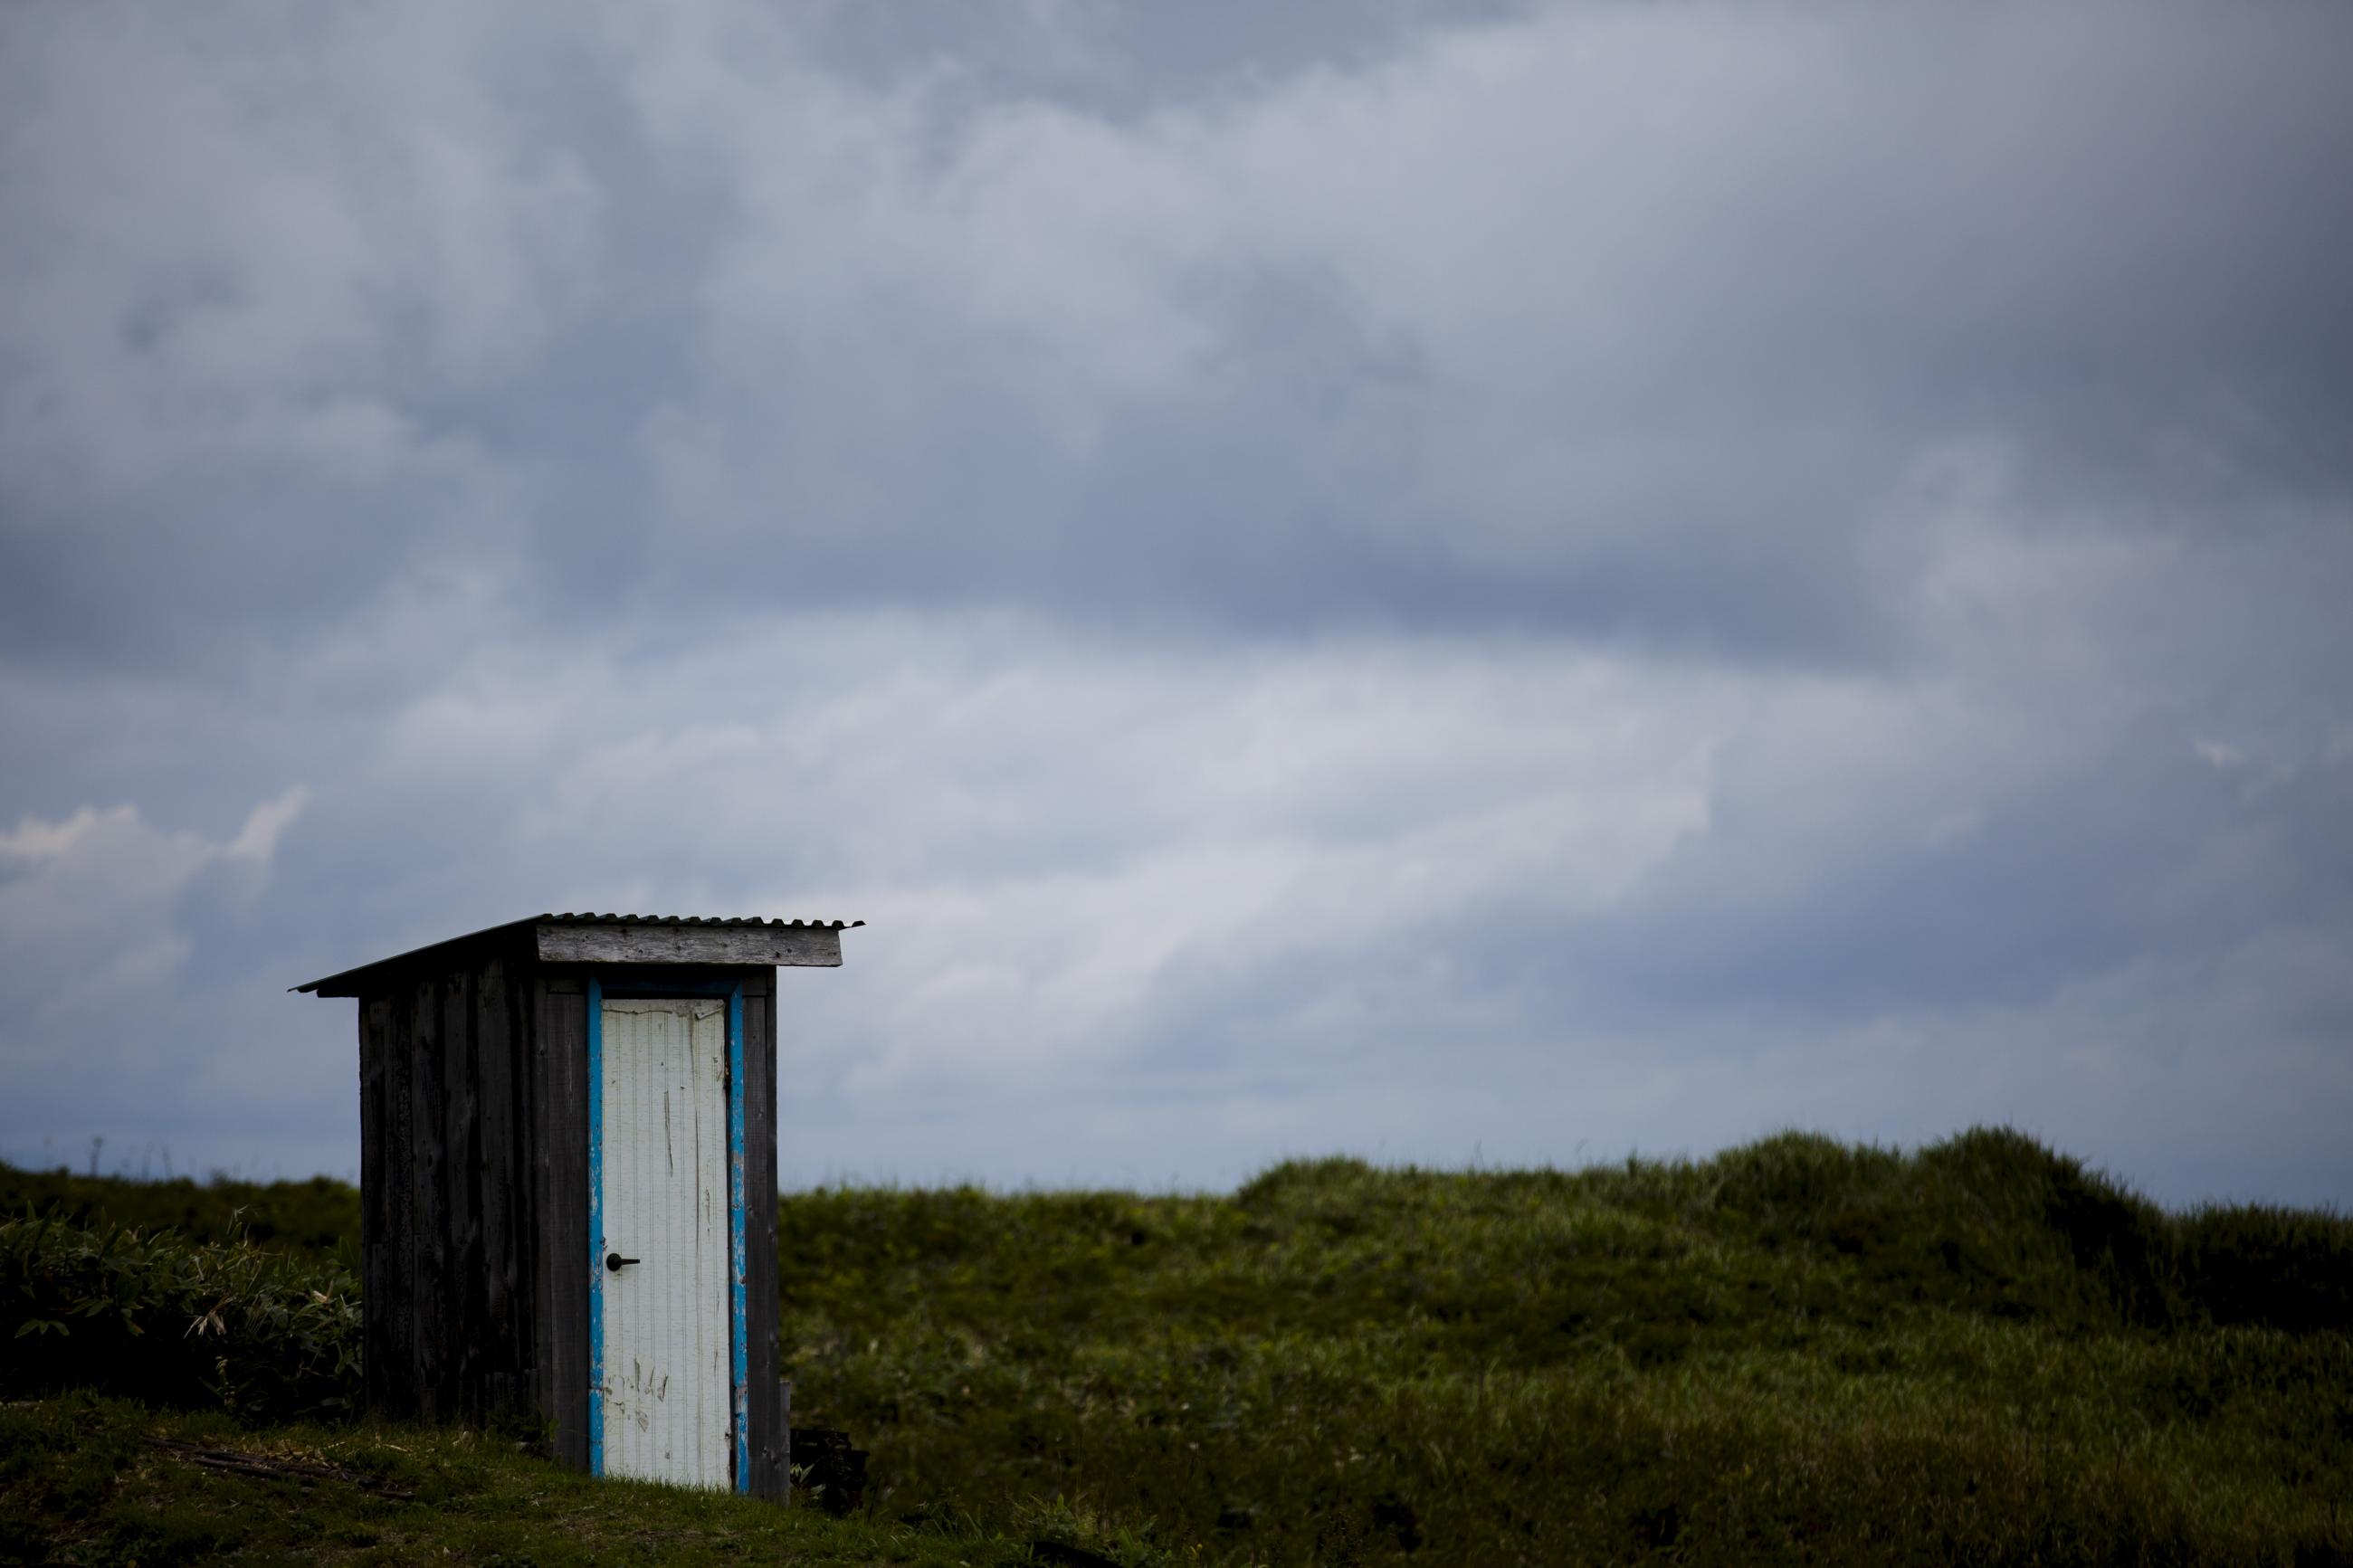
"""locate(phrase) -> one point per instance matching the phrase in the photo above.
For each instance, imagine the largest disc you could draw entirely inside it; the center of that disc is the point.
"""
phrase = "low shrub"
(2253, 1264)
(155, 1317)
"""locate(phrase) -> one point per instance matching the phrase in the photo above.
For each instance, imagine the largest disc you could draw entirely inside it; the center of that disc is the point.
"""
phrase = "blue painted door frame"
(641, 984)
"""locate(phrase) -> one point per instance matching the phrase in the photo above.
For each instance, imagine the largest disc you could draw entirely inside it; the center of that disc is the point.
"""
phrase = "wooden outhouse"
(569, 1186)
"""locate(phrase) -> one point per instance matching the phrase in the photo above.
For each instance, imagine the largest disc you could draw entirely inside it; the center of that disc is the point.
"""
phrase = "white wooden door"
(667, 1392)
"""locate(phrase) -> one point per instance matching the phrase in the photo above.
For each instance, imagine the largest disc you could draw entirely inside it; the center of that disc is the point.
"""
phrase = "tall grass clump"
(318, 1216)
(1798, 1351)
(155, 1317)
(1990, 1222)
(2253, 1264)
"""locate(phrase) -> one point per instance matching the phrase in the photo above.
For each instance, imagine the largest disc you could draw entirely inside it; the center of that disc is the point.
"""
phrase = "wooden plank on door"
(560, 1199)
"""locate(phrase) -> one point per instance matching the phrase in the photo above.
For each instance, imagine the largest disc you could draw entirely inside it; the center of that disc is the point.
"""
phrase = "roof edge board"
(627, 938)
(797, 946)
(413, 957)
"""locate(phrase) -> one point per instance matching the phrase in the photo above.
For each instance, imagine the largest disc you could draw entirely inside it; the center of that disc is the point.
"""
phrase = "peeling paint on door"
(668, 1395)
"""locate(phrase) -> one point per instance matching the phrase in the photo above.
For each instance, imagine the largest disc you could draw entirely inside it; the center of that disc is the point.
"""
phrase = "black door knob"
(615, 1262)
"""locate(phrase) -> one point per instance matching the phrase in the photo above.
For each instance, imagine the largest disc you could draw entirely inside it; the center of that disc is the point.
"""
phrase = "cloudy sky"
(1447, 581)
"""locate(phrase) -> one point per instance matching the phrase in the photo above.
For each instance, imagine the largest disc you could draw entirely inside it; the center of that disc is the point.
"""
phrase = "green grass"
(88, 1480)
(1797, 1352)
(151, 1315)
(318, 1217)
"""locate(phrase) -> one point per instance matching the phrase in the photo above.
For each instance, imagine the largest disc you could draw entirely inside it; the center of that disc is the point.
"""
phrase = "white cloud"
(90, 909)
(257, 840)
(110, 1023)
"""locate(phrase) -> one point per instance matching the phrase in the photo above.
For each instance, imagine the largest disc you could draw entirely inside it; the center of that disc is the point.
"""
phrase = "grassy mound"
(1798, 1351)
(86, 1480)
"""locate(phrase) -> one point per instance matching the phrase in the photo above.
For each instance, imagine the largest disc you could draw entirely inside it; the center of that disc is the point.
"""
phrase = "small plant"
(1070, 1531)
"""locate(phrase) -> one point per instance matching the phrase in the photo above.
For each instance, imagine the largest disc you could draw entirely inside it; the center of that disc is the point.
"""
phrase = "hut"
(569, 1186)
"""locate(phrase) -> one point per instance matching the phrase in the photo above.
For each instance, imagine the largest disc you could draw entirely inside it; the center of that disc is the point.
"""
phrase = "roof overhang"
(635, 940)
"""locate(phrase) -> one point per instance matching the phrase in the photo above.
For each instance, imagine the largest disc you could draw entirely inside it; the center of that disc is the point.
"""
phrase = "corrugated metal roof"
(735, 921)
(595, 919)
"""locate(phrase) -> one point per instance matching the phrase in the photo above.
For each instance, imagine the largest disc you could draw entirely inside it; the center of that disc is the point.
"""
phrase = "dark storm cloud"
(1424, 575)
(1616, 323)
(2155, 853)
(1124, 60)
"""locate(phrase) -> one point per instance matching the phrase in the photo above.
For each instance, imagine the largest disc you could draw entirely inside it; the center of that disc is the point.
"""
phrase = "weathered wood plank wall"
(499, 1061)
(559, 1196)
(717, 946)
(376, 1052)
(446, 1156)
(461, 1174)
(474, 1199)
(771, 1430)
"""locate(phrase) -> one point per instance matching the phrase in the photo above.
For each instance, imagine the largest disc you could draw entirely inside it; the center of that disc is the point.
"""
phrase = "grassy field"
(1796, 1351)
(88, 1480)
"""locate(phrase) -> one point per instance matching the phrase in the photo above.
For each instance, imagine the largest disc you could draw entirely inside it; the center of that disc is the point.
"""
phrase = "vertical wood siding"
(445, 1162)
(560, 1201)
(474, 1198)
(462, 1276)
(770, 1462)
(503, 1331)
(428, 1235)
(377, 1305)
